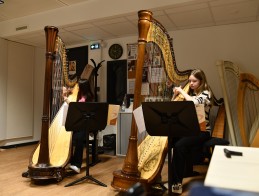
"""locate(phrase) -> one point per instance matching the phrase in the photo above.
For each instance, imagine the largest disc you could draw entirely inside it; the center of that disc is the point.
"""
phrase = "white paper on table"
(139, 118)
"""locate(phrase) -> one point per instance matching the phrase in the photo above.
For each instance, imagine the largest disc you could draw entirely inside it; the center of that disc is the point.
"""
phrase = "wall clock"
(115, 51)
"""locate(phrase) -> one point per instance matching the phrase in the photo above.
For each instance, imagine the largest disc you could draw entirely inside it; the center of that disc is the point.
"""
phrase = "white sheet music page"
(65, 109)
(139, 118)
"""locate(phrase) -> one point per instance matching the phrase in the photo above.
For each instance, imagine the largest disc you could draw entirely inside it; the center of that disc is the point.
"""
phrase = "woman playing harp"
(199, 93)
(50, 157)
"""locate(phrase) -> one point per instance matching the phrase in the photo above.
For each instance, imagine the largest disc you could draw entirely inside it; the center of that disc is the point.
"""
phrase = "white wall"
(38, 89)
(16, 92)
(201, 48)
(20, 91)
(194, 48)
(3, 87)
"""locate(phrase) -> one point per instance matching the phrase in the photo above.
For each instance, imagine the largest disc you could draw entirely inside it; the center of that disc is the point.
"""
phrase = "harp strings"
(59, 136)
(251, 111)
(60, 78)
(231, 80)
(57, 84)
(155, 64)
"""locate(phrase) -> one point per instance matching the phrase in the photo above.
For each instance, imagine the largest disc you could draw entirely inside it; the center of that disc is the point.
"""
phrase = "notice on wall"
(132, 51)
(130, 86)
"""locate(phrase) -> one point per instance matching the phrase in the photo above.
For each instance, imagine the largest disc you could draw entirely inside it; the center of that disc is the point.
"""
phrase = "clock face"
(115, 51)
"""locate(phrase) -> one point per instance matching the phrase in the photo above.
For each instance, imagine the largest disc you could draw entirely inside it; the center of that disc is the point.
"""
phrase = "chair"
(202, 154)
(109, 133)
(218, 133)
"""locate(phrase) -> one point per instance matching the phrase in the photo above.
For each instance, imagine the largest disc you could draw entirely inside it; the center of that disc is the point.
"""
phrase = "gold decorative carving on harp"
(50, 157)
(144, 163)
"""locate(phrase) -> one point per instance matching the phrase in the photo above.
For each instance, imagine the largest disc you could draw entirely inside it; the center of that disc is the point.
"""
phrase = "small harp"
(52, 154)
(144, 163)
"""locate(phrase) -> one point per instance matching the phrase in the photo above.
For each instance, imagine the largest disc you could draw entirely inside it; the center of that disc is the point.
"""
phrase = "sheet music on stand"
(139, 118)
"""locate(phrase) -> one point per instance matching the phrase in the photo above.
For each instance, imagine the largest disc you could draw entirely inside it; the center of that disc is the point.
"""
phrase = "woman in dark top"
(84, 95)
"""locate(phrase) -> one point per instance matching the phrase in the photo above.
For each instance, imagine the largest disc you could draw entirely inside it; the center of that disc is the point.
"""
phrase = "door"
(116, 81)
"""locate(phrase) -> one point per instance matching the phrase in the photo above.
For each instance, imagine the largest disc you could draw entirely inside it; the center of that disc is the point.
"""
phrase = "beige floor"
(14, 161)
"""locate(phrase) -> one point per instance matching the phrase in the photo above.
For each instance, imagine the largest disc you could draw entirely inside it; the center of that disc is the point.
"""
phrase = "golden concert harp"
(52, 154)
(144, 162)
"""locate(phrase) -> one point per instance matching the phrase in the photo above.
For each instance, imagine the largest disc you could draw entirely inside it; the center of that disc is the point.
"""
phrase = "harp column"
(51, 36)
(129, 175)
(42, 169)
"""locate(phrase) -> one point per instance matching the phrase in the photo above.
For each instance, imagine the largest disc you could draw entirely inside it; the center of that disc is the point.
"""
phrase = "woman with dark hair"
(84, 95)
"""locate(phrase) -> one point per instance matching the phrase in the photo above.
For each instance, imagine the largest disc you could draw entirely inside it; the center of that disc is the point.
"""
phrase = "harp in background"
(143, 163)
(241, 95)
(52, 154)
(248, 109)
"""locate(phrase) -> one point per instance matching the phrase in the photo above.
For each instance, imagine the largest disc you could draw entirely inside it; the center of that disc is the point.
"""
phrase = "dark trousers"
(181, 149)
(78, 138)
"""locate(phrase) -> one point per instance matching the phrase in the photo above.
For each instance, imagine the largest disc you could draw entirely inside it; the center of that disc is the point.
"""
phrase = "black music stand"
(172, 119)
(86, 116)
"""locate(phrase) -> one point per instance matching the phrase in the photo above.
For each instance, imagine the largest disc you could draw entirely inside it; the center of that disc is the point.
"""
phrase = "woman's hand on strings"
(177, 90)
(66, 92)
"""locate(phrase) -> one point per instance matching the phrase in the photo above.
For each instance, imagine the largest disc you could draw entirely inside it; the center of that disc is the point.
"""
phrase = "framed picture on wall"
(78, 59)
(72, 67)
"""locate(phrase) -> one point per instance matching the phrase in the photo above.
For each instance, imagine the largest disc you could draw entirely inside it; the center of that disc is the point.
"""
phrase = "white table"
(237, 172)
